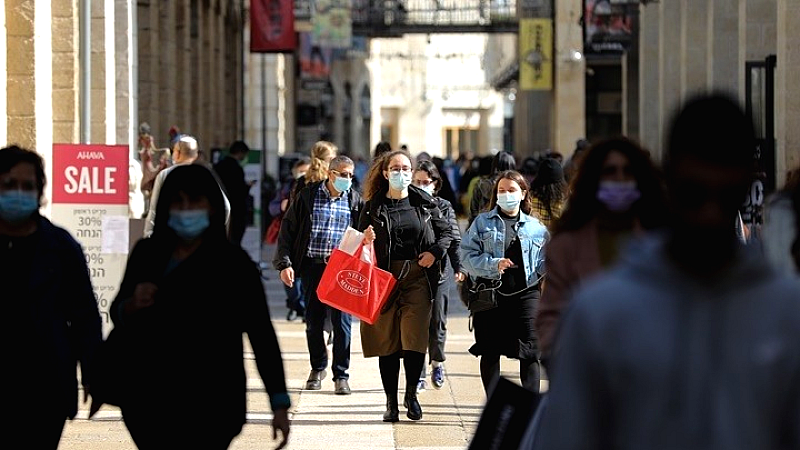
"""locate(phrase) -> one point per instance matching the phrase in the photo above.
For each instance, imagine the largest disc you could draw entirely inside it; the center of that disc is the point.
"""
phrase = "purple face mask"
(618, 196)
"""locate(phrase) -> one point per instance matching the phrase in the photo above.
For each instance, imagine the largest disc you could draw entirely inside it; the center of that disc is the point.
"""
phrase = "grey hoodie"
(651, 358)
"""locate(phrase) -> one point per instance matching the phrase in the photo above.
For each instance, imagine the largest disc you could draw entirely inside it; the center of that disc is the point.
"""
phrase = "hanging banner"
(90, 199)
(536, 54)
(331, 23)
(272, 26)
(315, 61)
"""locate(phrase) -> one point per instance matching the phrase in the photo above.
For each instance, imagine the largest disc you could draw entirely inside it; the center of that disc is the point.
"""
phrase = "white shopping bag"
(351, 241)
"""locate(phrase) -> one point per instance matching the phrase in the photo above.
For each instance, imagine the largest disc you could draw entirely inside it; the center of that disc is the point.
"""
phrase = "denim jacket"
(482, 246)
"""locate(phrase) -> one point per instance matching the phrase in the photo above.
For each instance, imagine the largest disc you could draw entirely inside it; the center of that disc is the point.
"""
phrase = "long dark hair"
(582, 205)
(525, 206)
(549, 186)
(193, 180)
(375, 181)
(430, 168)
(502, 162)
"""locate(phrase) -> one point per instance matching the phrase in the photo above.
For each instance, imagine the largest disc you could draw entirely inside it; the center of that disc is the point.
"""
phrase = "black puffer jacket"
(452, 252)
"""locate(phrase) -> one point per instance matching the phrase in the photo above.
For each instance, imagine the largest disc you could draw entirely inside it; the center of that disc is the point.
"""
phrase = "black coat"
(295, 233)
(187, 348)
(53, 322)
(449, 213)
(436, 235)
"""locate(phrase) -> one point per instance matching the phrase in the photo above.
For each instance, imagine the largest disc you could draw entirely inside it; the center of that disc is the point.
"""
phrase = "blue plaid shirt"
(330, 218)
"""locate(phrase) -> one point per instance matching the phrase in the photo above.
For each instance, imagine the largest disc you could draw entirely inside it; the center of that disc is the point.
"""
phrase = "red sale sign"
(90, 174)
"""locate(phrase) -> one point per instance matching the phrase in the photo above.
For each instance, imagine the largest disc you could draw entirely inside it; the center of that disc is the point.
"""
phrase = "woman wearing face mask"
(616, 195)
(427, 178)
(45, 286)
(411, 238)
(183, 314)
(506, 244)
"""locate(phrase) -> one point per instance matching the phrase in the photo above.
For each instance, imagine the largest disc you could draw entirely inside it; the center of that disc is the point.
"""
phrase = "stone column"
(66, 118)
(630, 86)
(99, 70)
(570, 77)
(787, 89)
(21, 82)
(126, 126)
(649, 77)
(669, 53)
(149, 70)
(723, 36)
(182, 75)
(337, 78)
(694, 47)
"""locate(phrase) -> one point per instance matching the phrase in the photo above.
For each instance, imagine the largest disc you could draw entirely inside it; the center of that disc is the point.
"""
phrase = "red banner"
(272, 26)
(90, 174)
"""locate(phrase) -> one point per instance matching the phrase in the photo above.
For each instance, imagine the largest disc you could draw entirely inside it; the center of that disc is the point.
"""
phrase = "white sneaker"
(422, 385)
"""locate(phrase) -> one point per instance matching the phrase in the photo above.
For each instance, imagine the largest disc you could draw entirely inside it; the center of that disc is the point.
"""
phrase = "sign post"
(90, 199)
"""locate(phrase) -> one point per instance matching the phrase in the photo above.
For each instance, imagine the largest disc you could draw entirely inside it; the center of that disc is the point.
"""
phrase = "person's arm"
(577, 416)
(150, 222)
(442, 233)
(554, 294)
(474, 259)
(264, 342)
(455, 232)
(288, 234)
(85, 327)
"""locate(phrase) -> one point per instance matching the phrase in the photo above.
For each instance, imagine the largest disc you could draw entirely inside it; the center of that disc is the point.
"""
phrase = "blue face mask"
(342, 184)
(18, 206)
(399, 180)
(509, 201)
(188, 224)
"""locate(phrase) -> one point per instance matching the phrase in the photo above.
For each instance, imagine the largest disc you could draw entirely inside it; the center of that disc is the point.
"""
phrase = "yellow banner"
(535, 54)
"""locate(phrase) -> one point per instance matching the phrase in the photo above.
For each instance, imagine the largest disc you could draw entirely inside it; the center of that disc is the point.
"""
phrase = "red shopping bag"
(355, 286)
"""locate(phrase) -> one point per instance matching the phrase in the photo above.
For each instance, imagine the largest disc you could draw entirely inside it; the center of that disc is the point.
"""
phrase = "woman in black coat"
(187, 296)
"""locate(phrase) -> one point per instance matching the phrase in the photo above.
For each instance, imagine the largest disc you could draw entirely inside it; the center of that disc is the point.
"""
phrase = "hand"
(280, 421)
(504, 264)
(426, 259)
(369, 235)
(287, 276)
(460, 277)
(144, 295)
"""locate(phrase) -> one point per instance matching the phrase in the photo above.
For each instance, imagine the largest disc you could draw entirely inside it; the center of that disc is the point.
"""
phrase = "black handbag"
(481, 294)
(109, 369)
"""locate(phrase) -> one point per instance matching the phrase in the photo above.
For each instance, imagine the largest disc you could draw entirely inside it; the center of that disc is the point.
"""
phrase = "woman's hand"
(369, 235)
(504, 264)
(280, 422)
(460, 277)
(144, 295)
(287, 276)
(426, 259)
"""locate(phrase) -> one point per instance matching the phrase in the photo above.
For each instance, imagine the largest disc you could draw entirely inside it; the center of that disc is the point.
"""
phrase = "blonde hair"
(321, 154)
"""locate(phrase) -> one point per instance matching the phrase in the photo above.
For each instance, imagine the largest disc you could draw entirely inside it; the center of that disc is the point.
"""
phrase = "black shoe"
(392, 413)
(342, 387)
(315, 378)
(414, 409)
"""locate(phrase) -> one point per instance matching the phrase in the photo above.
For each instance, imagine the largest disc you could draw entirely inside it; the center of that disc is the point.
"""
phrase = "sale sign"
(90, 199)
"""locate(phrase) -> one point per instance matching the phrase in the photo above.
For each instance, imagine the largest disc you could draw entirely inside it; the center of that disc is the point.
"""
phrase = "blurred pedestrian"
(548, 191)
(52, 321)
(482, 191)
(691, 341)
(573, 163)
(779, 234)
(184, 152)
(411, 239)
(184, 313)
(428, 178)
(295, 303)
(381, 148)
(312, 228)
(506, 243)
(231, 174)
(616, 196)
(322, 152)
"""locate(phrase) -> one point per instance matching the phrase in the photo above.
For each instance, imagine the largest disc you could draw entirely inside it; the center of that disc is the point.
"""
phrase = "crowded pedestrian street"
(321, 419)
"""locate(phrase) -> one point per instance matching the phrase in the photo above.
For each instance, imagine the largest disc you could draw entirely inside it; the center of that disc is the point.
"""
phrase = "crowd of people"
(626, 282)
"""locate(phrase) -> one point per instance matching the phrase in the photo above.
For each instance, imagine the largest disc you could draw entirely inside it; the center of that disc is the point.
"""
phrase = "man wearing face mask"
(692, 341)
(311, 228)
(52, 321)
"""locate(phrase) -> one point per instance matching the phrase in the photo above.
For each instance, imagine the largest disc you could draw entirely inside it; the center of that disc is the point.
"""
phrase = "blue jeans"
(294, 297)
(316, 312)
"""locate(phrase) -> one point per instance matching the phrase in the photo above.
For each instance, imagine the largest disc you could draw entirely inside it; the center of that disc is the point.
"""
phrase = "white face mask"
(429, 188)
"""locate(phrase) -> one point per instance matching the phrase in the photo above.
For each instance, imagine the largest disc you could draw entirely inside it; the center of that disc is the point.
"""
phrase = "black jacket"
(187, 347)
(295, 233)
(436, 237)
(452, 251)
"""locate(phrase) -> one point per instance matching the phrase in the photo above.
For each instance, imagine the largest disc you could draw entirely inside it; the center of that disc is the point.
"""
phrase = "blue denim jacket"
(482, 246)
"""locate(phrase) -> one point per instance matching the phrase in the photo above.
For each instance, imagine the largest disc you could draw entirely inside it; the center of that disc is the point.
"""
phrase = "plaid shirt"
(539, 210)
(330, 218)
